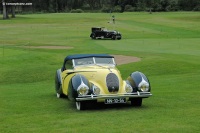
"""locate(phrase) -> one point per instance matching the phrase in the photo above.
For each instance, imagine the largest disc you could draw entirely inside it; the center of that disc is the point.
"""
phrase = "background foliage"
(167, 43)
(106, 5)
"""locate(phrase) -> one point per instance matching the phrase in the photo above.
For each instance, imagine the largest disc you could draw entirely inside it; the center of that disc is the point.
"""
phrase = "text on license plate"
(115, 100)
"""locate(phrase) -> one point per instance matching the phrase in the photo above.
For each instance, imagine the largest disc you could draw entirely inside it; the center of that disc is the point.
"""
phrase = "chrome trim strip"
(122, 95)
(73, 63)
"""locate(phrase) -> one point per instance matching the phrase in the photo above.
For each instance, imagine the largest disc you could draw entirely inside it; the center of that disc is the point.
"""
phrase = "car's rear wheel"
(80, 105)
(113, 37)
(58, 86)
(58, 95)
(137, 102)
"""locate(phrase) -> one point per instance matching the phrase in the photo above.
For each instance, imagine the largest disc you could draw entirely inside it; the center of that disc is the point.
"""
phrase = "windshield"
(104, 60)
(93, 61)
(83, 61)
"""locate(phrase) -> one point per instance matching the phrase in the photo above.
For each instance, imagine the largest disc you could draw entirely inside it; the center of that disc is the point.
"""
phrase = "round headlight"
(143, 86)
(83, 89)
(128, 88)
(96, 90)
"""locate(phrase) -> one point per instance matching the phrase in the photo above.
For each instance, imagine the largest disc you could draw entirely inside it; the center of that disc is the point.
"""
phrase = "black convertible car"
(103, 33)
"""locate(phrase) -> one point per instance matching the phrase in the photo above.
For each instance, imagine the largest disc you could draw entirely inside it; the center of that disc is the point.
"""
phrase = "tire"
(58, 86)
(80, 105)
(113, 37)
(93, 36)
(137, 102)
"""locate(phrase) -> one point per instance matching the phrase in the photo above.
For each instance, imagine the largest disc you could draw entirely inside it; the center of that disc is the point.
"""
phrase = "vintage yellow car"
(94, 77)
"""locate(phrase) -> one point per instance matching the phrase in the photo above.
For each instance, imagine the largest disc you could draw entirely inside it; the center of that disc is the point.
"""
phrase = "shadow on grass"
(94, 106)
(104, 39)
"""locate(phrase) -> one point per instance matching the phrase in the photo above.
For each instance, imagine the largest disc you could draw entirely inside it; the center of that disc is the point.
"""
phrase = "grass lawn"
(167, 43)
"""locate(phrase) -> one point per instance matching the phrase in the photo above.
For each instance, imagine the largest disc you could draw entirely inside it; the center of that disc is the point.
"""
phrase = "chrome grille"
(112, 82)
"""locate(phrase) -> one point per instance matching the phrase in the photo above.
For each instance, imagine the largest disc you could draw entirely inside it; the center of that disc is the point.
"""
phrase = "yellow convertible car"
(94, 77)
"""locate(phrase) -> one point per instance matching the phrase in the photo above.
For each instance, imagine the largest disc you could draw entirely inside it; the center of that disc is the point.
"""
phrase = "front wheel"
(113, 37)
(80, 105)
(93, 36)
(137, 102)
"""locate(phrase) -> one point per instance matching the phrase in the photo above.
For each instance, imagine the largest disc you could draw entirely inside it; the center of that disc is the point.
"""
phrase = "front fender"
(58, 81)
(75, 82)
(135, 78)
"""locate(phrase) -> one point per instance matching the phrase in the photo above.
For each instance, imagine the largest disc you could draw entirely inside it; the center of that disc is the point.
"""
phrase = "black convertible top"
(79, 56)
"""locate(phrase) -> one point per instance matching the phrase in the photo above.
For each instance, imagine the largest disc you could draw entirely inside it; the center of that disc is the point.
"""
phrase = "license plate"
(115, 100)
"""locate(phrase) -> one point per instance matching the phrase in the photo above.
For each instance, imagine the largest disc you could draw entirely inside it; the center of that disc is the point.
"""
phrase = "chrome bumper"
(127, 95)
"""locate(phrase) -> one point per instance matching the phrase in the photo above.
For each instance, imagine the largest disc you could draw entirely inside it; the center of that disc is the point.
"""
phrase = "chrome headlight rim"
(143, 86)
(83, 89)
(96, 90)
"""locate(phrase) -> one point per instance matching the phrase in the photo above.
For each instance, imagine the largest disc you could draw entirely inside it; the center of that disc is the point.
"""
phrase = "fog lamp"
(96, 90)
(128, 88)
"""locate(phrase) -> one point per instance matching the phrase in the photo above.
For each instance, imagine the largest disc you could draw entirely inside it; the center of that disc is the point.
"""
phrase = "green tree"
(4, 9)
(7, 8)
(188, 5)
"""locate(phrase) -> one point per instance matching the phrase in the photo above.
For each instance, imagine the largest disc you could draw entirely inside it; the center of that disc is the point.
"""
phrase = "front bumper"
(127, 95)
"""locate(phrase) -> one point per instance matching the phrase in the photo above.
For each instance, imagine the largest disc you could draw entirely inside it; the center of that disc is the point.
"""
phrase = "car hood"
(108, 79)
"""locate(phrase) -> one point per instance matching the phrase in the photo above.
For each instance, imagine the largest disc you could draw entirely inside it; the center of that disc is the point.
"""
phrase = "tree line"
(54, 6)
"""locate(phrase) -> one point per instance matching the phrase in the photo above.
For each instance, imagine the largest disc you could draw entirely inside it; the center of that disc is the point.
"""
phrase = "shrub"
(129, 8)
(76, 11)
(86, 7)
(105, 9)
(197, 8)
(117, 9)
